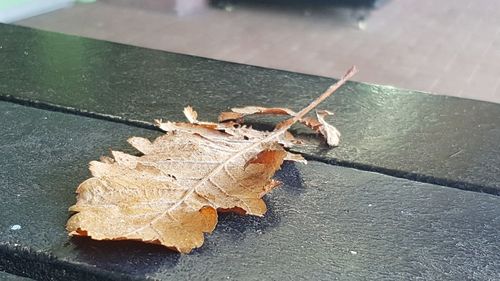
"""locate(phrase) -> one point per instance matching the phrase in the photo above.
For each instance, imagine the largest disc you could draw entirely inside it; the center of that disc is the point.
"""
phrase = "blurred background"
(449, 47)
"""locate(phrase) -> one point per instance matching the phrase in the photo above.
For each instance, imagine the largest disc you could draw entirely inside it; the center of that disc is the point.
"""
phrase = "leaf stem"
(285, 125)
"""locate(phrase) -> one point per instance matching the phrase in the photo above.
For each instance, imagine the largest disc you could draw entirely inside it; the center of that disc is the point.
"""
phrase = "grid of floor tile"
(445, 47)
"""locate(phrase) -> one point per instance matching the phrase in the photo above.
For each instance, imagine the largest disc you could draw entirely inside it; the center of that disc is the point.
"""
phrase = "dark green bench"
(410, 193)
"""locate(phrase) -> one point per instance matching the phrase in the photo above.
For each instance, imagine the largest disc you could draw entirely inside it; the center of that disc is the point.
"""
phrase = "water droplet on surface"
(15, 227)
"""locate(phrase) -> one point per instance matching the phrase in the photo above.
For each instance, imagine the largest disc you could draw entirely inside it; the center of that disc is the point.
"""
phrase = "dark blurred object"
(359, 10)
(344, 3)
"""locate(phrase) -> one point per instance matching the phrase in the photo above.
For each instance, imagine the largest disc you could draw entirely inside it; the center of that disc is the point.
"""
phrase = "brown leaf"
(192, 117)
(157, 197)
(191, 114)
(318, 124)
(237, 113)
(227, 116)
(331, 134)
(240, 112)
(171, 194)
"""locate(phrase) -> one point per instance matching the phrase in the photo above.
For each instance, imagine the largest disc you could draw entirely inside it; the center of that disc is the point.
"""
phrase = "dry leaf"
(170, 195)
(240, 112)
(318, 124)
(332, 135)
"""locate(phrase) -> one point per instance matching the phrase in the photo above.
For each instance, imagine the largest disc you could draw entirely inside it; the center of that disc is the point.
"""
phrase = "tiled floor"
(449, 47)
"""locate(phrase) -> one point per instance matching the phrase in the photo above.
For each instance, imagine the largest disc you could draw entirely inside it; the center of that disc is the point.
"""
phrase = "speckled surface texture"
(435, 139)
(325, 223)
(4, 276)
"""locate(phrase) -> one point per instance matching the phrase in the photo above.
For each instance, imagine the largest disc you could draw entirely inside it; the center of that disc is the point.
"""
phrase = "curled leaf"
(331, 134)
(240, 112)
(318, 124)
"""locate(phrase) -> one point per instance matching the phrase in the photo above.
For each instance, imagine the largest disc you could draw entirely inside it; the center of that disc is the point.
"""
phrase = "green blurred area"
(4, 4)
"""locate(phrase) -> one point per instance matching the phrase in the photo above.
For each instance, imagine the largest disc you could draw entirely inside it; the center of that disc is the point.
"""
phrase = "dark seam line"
(78, 112)
(349, 164)
(416, 177)
(23, 261)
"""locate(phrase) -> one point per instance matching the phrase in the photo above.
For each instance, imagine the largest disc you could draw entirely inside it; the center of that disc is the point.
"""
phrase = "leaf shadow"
(129, 257)
(238, 226)
(291, 178)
